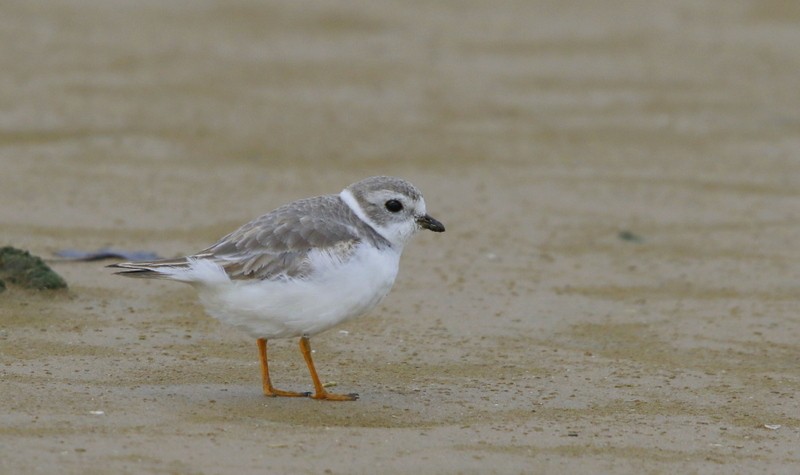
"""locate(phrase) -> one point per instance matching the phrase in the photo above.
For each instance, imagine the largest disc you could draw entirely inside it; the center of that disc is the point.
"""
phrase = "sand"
(617, 289)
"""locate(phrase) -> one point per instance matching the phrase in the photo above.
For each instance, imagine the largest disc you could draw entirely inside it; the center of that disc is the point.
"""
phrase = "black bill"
(427, 222)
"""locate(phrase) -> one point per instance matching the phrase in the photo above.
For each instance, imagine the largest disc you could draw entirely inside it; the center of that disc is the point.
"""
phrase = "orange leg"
(265, 381)
(320, 393)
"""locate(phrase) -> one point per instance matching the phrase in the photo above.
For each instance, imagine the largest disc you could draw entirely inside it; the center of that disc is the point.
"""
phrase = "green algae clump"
(21, 268)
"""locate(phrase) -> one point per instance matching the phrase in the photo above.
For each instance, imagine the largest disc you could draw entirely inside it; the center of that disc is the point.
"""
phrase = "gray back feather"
(277, 244)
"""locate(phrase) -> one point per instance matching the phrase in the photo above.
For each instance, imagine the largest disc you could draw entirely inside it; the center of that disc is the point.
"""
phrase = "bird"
(304, 267)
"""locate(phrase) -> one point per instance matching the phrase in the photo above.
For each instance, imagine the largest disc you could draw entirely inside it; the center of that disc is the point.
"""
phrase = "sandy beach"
(617, 290)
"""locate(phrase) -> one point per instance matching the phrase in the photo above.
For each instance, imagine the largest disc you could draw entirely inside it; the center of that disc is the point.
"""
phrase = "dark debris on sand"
(20, 268)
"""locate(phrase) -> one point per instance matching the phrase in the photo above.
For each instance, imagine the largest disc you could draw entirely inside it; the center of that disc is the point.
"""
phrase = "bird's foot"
(326, 396)
(272, 392)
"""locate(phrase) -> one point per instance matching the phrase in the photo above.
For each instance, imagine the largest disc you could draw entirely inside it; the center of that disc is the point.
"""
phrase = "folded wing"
(274, 246)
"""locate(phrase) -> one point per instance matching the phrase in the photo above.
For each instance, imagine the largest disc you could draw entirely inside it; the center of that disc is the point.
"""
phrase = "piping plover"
(304, 267)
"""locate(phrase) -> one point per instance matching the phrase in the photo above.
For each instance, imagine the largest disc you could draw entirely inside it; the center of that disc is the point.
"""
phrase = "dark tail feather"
(139, 273)
(147, 270)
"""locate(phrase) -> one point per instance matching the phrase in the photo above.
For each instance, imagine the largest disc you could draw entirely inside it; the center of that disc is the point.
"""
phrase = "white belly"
(280, 309)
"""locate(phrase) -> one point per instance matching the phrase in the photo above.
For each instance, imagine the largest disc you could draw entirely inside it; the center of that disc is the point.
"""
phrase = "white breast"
(278, 309)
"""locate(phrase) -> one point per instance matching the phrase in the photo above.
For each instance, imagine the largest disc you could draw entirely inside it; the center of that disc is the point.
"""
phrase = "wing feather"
(277, 245)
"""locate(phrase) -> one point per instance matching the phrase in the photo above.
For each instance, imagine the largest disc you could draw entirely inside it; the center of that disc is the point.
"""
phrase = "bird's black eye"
(394, 206)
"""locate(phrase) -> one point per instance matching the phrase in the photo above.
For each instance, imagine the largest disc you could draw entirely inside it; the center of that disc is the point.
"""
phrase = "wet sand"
(617, 289)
